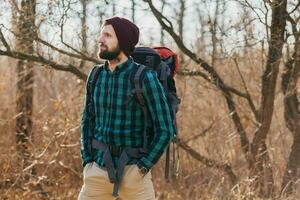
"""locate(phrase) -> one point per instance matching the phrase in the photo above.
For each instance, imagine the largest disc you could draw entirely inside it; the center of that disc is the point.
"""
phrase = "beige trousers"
(96, 185)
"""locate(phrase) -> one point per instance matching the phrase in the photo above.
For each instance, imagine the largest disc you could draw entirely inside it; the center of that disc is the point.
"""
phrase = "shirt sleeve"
(85, 130)
(160, 115)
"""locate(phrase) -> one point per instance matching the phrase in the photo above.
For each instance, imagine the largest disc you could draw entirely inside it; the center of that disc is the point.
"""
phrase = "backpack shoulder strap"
(93, 78)
(138, 75)
(91, 81)
(138, 85)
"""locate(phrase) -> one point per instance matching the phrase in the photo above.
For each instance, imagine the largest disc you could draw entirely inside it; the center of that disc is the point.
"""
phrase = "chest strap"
(116, 175)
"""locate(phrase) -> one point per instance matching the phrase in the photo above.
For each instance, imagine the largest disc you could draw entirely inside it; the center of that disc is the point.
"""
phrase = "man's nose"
(100, 40)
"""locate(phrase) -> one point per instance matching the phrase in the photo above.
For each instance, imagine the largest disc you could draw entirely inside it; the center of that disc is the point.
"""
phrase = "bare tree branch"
(62, 33)
(78, 56)
(4, 41)
(248, 96)
(206, 77)
(202, 133)
(39, 59)
(294, 26)
(209, 162)
(15, 5)
(194, 73)
(296, 7)
(246, 3)
(78, 174)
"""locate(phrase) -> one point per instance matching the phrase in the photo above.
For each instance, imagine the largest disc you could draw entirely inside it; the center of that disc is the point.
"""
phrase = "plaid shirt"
(119, 118)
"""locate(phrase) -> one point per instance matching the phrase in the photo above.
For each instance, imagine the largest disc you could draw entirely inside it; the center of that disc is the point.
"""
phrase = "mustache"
(101, 45)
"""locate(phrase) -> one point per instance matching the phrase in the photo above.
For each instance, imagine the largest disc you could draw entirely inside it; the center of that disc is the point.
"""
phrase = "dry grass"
(55, 146)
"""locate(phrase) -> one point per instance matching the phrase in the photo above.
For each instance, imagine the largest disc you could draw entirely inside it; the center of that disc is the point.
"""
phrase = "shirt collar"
(121, 66)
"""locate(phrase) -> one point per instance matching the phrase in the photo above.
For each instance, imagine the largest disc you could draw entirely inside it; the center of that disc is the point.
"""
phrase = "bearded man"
(116, 164)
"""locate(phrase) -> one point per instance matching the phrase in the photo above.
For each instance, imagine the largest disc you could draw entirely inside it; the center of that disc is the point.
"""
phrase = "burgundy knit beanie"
(126, 32)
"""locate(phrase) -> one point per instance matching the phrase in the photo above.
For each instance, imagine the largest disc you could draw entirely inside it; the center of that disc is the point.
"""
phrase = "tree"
(291, 106)
(255, 153)
(26, 30)
(84, 28)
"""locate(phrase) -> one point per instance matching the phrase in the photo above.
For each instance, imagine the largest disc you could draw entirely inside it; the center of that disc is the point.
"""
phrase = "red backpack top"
(168, 56)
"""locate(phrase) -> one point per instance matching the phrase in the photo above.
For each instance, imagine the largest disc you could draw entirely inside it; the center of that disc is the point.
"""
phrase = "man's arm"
(159, 113)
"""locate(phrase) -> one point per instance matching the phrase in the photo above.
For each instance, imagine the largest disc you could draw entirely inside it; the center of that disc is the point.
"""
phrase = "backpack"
(165, 63)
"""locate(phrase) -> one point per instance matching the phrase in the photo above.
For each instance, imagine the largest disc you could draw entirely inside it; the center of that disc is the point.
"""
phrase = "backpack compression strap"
(141, 100)
(163, 75)
(90, 111)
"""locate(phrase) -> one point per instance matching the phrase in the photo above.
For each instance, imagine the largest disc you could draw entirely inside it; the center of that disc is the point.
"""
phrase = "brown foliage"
(56, 149)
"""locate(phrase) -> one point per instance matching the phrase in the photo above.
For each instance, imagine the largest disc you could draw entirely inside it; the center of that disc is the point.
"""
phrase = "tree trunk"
(83, 31)
(261, 168)
(113, 7)
(162, 35)
(213, 32)
(292, 116)
(180, 28)
(133, 5)
(24, 100)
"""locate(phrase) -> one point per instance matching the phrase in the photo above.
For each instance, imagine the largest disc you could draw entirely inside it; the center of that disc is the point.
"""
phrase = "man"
(125, 144)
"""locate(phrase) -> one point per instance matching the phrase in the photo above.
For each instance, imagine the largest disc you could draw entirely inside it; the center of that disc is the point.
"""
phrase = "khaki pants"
(96, 185)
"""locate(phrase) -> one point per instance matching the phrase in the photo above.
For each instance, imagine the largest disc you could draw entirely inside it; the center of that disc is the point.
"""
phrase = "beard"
(109, 55)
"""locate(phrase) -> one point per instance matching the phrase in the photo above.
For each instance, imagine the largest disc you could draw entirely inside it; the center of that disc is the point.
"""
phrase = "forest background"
(239, 131)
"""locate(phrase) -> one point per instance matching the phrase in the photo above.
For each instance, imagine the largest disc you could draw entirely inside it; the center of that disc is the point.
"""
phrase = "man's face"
(108, 43)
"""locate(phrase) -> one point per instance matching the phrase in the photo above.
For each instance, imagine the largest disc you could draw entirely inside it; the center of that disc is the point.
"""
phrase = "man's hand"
(143, 171)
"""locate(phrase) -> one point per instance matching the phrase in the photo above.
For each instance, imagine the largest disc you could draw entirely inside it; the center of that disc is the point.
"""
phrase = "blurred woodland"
(239, 117)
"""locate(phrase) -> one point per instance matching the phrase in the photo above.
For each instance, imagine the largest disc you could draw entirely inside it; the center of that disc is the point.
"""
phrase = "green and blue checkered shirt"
(119, 119)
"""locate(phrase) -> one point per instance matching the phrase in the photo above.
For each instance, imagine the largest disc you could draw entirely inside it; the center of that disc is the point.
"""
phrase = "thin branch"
(81, 56)
(248, 5)
(4, 41)
(202, 133)
(14, 5)
(294, 26)
(206, 77)
(296, 7)
(266, 19)
(209, 162)
(62, 37)
(236, 92)
(194, 73)
(248, 96)
(71, 169)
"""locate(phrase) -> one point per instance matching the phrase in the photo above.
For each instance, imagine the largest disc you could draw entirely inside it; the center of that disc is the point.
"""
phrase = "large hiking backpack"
(165, 63)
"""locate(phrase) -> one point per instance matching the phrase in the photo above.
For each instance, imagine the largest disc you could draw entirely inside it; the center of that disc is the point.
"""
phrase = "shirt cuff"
(86, 161)
(144, 162)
